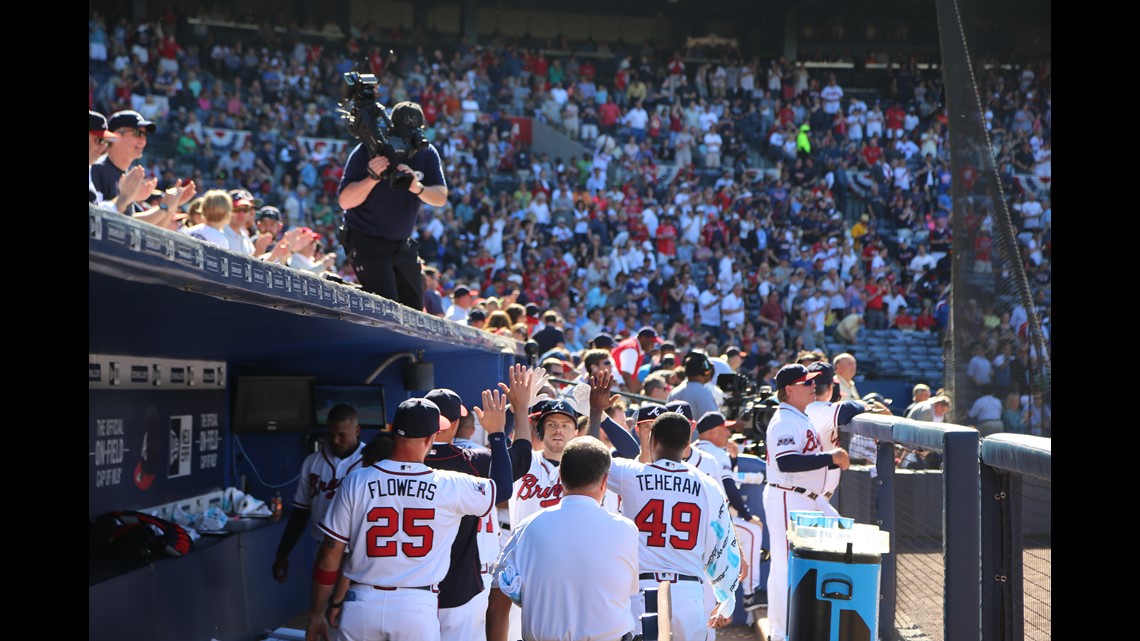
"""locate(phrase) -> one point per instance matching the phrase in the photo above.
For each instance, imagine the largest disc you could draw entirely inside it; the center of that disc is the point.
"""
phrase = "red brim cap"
(103, 133)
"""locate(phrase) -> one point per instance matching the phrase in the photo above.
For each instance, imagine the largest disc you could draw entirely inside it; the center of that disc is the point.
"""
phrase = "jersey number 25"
(685, 519)
(391, 525)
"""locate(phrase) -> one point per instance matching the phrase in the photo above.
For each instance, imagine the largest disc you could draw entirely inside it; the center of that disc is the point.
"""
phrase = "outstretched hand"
(493, 414)
(600, 384)
(521, 379)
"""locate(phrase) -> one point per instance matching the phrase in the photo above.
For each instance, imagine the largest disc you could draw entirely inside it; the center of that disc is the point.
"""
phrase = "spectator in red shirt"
(608, 115)
(895, 117)
(871, 153)
(667, 237)
(875, 316)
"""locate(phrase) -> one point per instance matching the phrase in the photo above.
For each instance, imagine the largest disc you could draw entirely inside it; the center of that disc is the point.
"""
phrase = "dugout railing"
(970, 546)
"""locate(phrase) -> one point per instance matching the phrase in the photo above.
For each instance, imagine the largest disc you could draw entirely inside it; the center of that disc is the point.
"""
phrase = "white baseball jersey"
(791, 432)
(705, 462)
(399, 520)
(540, 487)
(684, 523)
(321, 475)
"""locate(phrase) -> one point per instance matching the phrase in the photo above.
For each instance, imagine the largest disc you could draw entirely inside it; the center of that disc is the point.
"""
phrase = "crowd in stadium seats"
(725, 202)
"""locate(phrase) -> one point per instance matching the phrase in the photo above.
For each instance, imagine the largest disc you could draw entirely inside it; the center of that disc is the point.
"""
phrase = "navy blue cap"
(129, 118)
(681, 407)
(792, 374)
(449, 403)
(712, 420)
(554, 406)
(417, 418)
(650, 411)
(826, 374)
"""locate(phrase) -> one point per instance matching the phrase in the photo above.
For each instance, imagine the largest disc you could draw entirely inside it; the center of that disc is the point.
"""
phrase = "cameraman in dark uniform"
(379, 219)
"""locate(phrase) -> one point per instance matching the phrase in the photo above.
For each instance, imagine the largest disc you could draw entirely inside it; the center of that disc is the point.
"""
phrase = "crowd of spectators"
(729, 201)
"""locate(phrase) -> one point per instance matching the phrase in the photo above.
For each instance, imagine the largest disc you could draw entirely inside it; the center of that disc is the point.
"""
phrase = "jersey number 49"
(378, 547)
(685, 519)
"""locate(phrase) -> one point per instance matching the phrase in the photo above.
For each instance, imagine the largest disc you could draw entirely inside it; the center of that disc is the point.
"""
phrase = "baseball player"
(713, 432)
(826, 415)
(573, 567)
(535, 473)
(462, 597)
(399, 518)
(687, 536)
(321, 474)
(798, 465)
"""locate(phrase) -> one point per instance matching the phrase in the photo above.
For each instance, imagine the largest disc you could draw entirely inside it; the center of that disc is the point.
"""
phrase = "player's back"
(672, 504)
(400, 520)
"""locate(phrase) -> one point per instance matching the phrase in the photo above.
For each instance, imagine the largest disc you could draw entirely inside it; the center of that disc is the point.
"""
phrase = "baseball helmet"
(544, 409)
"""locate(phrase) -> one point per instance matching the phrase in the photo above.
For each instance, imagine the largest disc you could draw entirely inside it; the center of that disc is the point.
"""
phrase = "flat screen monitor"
(273, 404)
(367, 399)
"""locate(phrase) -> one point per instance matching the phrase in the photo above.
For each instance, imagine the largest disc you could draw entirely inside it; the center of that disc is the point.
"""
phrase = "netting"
(1037, 558)
(996, 349)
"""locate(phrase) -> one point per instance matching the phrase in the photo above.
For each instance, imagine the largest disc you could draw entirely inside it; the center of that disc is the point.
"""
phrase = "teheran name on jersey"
(402, 487)
(528, 488)
(669, 482)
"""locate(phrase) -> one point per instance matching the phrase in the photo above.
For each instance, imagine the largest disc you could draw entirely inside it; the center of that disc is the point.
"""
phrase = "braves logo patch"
(482, 487)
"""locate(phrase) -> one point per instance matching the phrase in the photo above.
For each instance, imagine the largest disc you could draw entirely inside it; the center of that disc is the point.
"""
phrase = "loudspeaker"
(419, 376)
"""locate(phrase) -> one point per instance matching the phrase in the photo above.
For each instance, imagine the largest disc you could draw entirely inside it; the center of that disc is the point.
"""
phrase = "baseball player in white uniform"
(573, 567)
(687, 536)
(536, 480)
(827, 414)
(399, 518)
(798, 465)
(321, 474)
(713, 432)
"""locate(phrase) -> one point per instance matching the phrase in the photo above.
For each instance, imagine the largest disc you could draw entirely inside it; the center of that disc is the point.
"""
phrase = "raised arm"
(493, 417)
(521, 378)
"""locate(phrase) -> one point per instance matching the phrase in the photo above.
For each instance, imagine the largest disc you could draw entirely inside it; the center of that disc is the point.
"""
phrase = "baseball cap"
(460, 291)
(270, 212)
(417, 418)
(476, 315)
(449, 403)
(681, 407)
(647, 332)
(408, 115)
(553, 406)
(129, 118)
(697, 364)
(731, 351)
(871, 397)
(826, 374)
(97, 124)
(712, 420)
(792, 374)
(603, 341)
(650, 411)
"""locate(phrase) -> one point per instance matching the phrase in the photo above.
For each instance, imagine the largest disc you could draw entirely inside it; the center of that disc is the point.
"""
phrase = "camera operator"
(379, 219)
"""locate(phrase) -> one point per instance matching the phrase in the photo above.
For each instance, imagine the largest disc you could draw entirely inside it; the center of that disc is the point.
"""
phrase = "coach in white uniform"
(321, 475)
(399, 518)
(798, 465)
(573, 567)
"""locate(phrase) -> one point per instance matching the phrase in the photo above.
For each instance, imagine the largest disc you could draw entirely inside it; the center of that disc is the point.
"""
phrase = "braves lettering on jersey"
(791, 432)
(321, 475)
(537, 483)
(400, 519)
(826, 418)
